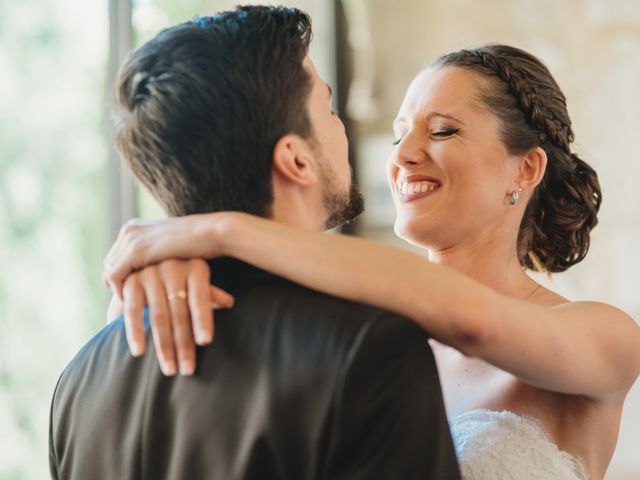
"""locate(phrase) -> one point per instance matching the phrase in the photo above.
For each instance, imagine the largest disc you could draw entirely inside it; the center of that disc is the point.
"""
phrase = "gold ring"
(181, 294)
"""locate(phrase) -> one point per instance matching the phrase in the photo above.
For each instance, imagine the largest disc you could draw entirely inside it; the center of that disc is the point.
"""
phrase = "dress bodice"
(503, 446)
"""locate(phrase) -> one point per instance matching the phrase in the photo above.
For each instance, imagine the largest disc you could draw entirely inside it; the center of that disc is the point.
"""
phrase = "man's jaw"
(343, 208)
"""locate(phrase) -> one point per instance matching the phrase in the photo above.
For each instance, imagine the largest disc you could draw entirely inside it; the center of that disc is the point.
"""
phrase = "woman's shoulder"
(606, 335)
(548, 298)
(597, 311)
(592, 309)
(597, 316)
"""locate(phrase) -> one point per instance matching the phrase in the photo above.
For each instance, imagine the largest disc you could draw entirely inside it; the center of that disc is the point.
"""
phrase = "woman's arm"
(346, 267)
(580, 348)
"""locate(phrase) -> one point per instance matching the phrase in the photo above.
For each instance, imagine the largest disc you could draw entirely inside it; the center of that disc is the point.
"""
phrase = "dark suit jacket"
(296, 385)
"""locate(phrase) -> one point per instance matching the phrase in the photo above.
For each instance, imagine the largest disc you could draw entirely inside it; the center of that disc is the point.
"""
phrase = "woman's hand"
(181, 303)
(141, 243)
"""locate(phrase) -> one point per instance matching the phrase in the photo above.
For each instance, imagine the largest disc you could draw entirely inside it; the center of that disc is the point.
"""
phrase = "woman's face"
(449, 174)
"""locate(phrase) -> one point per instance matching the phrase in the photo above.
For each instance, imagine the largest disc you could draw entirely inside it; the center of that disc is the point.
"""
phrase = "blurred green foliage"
(53, 209)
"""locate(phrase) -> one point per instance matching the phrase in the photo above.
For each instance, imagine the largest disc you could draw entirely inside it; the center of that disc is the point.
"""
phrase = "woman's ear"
(294, 161)
(531, 169)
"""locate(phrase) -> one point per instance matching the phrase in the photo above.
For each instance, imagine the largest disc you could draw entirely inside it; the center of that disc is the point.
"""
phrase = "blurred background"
(63, 193)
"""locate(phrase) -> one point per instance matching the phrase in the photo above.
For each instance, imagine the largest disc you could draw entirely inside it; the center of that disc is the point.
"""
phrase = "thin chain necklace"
(531, 294)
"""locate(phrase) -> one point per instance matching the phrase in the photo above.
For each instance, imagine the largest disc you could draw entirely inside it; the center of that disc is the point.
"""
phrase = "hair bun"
(555, 231)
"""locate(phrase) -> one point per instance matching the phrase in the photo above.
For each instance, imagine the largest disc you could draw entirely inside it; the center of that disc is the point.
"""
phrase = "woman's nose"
(408, 153)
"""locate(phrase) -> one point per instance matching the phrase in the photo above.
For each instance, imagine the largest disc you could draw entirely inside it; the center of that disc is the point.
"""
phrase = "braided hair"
(532, 111)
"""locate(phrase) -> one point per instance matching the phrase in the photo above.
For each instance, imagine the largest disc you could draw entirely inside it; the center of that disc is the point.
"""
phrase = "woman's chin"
(411, 231)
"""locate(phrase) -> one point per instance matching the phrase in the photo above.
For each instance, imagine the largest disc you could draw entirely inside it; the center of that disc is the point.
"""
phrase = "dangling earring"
(515, 196)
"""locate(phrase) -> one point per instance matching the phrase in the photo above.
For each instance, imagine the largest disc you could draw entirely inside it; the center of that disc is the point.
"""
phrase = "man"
(228, 113)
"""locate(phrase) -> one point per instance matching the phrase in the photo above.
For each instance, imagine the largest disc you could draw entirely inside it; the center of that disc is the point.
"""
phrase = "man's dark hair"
(200, 107)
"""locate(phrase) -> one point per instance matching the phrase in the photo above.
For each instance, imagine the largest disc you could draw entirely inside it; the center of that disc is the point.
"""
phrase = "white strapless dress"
(505, 446)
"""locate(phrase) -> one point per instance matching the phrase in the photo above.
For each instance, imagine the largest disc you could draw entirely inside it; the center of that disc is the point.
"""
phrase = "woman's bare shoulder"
(600, 310)
(548, 298)
(600, 332)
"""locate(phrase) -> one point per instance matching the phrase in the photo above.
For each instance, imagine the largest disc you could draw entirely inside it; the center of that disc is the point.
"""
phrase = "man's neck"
(292, 207)
(297, 219)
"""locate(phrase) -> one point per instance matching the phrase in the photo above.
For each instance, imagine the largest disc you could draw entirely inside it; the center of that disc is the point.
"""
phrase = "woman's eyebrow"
(443, 115)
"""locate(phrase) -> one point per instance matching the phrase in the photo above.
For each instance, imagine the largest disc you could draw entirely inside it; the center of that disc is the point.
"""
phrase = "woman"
(484, 179)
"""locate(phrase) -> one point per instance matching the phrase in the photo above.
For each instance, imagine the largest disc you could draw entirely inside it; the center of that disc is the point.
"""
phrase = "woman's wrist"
(221, 232)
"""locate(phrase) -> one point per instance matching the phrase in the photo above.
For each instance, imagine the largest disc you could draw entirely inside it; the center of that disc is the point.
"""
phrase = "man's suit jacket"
(296, 385)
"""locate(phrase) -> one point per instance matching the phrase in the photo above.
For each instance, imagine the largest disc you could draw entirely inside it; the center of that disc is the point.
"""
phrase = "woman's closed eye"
(438, 133)
(445, 132)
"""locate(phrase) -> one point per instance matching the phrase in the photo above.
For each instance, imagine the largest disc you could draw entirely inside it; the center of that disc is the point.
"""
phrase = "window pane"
(53, 210)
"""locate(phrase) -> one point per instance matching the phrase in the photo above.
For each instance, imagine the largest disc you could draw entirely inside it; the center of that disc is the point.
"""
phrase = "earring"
(515, 196)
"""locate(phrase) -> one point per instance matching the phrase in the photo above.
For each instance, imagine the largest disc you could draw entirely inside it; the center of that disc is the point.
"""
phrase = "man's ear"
(531, 169)
(293, 159)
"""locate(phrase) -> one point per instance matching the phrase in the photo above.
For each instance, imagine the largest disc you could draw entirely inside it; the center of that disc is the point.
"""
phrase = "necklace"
(531, 294)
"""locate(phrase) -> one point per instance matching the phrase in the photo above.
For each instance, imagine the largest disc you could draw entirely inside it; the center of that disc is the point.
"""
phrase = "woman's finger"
(120, 267)
(174, 276)
(134, 300)
(200, 301)
(116, 249)
(220, 298)
(114, 280)
(116, 308)
(160, 317)
(126, 254)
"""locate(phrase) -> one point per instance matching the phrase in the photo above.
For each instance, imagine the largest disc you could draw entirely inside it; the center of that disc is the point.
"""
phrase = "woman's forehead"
(444, 89)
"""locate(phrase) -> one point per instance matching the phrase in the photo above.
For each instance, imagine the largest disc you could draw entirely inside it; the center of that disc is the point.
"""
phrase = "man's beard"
(341, 207)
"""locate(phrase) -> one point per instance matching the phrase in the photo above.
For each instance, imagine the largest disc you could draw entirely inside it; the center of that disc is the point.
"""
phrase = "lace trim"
(574, 462)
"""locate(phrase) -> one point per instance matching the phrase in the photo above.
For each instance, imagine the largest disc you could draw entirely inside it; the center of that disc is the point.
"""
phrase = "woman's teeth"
(406, 188)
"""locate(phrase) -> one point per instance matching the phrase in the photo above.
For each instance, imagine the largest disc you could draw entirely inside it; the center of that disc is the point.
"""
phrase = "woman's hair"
(532, 111)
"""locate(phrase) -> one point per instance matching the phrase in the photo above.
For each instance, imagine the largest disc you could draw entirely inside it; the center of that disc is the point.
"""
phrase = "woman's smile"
(415, 187)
